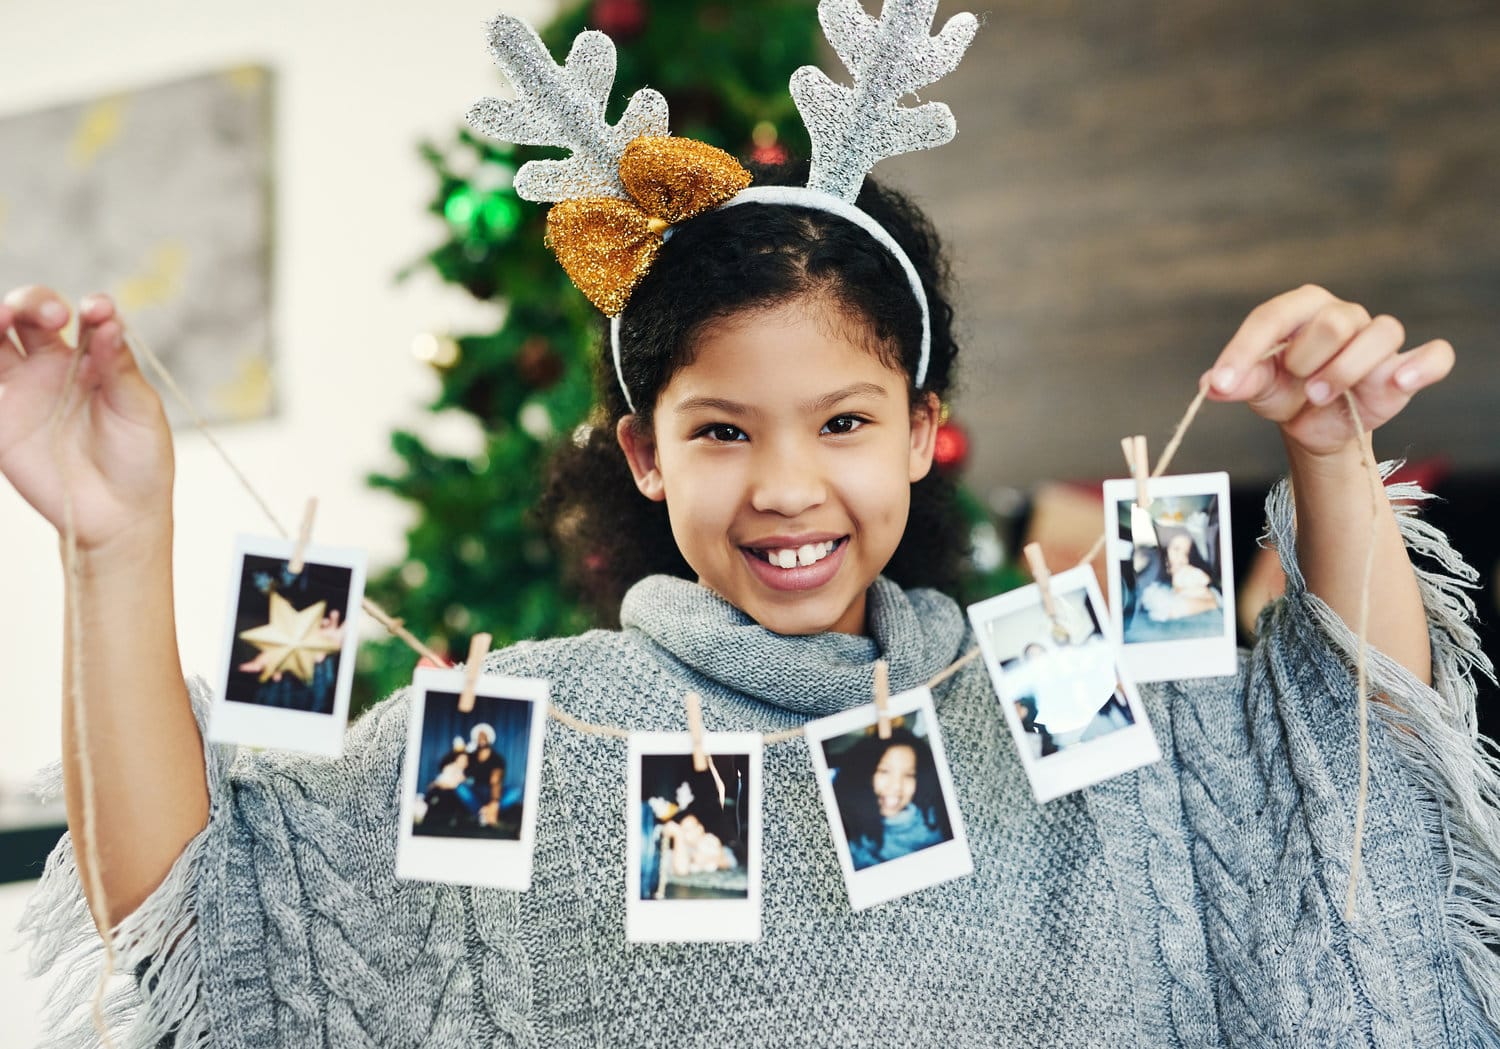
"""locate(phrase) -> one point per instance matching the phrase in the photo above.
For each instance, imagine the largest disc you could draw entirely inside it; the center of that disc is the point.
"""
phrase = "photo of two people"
(1071, 705)
(1060, 676)
(471, 779)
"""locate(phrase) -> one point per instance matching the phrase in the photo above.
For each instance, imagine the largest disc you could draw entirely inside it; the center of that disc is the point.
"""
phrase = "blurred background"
(283, 199)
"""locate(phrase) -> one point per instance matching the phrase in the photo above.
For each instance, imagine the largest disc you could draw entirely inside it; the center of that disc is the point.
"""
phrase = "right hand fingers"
(34, 312)
(39, 316)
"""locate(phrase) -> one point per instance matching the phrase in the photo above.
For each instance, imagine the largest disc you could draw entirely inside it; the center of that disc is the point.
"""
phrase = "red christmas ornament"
(620, 19)
(774, 153)
(952, 446)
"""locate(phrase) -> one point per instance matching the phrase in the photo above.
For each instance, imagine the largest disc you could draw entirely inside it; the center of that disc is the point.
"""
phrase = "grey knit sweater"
(1196, 902)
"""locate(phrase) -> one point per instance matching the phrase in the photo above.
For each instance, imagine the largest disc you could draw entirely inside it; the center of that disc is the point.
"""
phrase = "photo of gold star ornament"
(293, 641)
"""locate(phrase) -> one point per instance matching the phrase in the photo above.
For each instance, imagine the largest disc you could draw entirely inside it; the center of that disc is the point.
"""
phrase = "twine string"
(397, 628)
(1361, 667)
(89, 862)
(380, 615)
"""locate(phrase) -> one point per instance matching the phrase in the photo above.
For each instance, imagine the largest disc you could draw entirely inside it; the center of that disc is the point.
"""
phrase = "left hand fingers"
(1386, 390)
(1241, 370)
(1325, 336)
(1347, 364)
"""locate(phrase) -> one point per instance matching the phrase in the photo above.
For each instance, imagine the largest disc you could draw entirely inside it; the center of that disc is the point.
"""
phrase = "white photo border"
(295, 730)
(492, 864)
(931, 866)
(1082, 764)
(692, 921)
(1193, 657)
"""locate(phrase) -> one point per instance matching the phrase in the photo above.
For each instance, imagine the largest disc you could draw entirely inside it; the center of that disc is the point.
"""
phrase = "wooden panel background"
(1131, 177)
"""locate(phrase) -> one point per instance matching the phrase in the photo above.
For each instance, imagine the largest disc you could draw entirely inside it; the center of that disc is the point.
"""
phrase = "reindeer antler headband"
(618, 195)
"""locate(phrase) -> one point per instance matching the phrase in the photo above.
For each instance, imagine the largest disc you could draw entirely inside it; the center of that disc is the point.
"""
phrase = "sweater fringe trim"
(156, 993)
(1434, 730)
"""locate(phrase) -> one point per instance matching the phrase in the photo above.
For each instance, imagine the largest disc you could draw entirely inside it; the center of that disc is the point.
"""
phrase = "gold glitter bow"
(607, 245)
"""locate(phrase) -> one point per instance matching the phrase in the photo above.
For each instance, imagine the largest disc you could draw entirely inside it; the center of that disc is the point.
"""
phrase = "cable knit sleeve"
(160, 942)
(281, 923)
(1269, 778)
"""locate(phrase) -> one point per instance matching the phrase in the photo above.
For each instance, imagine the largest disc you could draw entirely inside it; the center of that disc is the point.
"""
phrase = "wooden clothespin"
(694, 707)
(479, 647)
(1043, 576)
(294, 566)
(1140, 467)
(882, 699)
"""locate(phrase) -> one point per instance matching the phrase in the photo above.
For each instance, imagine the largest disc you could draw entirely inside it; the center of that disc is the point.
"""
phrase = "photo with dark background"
(662, 775)
(444, 726)
(259, 579)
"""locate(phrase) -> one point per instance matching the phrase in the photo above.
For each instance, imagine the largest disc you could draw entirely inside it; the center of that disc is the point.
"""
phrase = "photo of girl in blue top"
(769, 525)
(889, 796)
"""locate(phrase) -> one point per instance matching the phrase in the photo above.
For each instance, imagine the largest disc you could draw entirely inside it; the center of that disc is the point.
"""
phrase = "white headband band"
(803, 197)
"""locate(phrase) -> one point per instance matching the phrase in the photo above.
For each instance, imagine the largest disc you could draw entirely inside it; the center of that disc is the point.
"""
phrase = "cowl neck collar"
(917, 632)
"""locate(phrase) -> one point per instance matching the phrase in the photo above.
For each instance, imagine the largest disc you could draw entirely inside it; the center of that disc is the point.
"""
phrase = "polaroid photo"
(693, 839)
(470, 781)
(1171, 577)
(890, 802)
(1075, 716)
(288, 652)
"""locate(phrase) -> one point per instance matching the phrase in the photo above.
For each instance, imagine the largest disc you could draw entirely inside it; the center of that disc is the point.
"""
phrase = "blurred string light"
(414, 574)
(536, 421)
(766, 149)
(471, 550)
(440, 351)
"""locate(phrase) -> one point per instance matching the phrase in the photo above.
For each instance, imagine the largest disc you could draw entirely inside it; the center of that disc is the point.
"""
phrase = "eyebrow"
(821, 404)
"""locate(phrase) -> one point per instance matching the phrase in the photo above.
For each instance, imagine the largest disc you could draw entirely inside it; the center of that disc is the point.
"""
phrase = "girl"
(890, 798)
(768, 517)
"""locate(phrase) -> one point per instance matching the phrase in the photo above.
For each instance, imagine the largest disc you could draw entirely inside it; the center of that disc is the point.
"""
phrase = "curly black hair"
(853, 787)
(718, 265)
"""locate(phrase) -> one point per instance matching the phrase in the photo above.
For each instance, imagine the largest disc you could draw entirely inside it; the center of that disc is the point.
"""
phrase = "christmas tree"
(475, 558)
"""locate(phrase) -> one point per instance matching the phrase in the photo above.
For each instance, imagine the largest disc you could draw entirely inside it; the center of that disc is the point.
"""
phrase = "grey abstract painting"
(162, 197)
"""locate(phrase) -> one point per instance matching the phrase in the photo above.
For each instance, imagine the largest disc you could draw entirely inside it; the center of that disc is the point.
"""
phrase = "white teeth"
(802, 556)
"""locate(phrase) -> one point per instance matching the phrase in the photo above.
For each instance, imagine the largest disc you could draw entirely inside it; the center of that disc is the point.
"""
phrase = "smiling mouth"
(797, 556)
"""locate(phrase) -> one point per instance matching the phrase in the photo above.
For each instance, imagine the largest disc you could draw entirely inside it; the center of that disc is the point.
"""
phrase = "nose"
(788, 479)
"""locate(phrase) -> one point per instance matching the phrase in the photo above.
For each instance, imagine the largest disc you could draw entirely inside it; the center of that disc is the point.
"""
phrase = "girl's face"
(895, 780)
(1179, 548)
(785, 453)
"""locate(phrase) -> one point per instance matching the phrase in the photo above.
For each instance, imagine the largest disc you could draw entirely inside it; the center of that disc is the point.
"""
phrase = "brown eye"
(842, 424)
(722, 432)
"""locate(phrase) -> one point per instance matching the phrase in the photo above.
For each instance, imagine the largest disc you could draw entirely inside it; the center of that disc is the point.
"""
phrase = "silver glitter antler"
(563, 105)
(852, 129)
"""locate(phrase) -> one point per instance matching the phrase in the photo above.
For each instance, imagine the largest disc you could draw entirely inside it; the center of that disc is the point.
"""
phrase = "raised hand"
(114, 444)
(1335, 346)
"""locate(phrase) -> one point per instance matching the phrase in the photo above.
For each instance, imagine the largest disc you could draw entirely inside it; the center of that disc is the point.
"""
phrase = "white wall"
(358, 85)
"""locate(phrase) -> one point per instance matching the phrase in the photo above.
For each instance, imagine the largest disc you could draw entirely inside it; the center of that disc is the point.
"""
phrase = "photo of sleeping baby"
(471, 775)
(694, 827)
(1060, 676)
(1172, 584)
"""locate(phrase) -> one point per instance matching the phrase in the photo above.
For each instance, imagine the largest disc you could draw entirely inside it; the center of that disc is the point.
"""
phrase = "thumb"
(119, 376)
